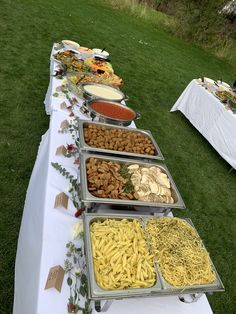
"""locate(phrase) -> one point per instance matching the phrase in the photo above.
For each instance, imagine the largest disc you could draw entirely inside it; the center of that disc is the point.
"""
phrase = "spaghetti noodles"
(182, 258)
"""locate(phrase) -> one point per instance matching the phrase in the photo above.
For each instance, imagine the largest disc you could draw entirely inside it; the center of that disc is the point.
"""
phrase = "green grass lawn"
(155, 73)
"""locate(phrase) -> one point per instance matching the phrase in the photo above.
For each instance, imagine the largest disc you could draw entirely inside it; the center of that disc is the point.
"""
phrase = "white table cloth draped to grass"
(45, 231)
(209, 116)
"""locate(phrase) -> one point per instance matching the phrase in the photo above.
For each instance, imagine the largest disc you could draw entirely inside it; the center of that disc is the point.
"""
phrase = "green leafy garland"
(74, 131)
(75, 186)
(75, 268)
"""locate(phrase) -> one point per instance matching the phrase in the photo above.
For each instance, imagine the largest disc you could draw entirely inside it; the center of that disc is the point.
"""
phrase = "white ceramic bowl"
(223, 84)
(101, 54)
(208, 80)
(223, 88)
(70, 45)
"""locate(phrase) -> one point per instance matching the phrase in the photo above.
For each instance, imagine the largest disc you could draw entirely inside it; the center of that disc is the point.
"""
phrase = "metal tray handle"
(190, 298)
(138, 115)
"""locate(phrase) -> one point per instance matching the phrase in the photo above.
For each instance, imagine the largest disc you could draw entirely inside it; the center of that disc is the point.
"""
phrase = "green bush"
(201, 22)
(198, 21)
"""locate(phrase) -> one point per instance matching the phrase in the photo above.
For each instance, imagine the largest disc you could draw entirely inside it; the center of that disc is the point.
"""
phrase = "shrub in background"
(210, 23)
(202, 22)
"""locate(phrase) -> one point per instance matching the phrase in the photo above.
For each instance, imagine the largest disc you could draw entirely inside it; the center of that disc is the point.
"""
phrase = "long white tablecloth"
(210, 118)
(45, 231)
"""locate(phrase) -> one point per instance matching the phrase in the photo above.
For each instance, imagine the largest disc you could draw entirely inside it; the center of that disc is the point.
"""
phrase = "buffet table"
(45, 230)
(209, 116)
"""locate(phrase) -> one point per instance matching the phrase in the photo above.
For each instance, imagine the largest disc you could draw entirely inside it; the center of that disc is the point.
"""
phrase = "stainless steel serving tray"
(89, 200)
(217, 285)
(161, 288)
(86, 147)
(95, 291)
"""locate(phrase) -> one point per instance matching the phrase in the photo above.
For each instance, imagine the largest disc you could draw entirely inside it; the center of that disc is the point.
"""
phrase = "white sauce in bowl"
(103, 92)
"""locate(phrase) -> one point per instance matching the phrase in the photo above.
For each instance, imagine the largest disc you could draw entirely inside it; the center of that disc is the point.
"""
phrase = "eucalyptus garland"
(75, 186)
(75, 268)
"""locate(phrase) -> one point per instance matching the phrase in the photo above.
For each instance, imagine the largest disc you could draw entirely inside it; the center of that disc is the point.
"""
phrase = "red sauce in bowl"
(114, 111)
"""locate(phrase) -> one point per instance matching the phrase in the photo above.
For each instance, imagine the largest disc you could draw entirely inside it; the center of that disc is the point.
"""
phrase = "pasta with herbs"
(120, 255)
(182, 258)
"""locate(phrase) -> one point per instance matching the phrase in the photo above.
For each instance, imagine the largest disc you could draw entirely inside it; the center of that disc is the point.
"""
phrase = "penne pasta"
(120, 255)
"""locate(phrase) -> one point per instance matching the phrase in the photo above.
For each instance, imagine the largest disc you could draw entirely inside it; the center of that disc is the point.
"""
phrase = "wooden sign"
(70, 109)
(65, 124)
(55, 278)
(61, 200)
(58, 88)
(61, 150)
(63, 105)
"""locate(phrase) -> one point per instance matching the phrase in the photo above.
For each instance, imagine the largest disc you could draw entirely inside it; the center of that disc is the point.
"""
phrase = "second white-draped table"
(210, 117)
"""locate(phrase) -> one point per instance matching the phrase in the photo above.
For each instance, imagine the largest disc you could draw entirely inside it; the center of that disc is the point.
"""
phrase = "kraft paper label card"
(63, 105)
(58, 88)
(70, 109)
(55, 278)
(61, 150)
(65, 124)
(61, 200)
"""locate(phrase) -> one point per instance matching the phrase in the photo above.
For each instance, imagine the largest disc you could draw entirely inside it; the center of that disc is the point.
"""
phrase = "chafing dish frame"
(89, 200)
(160, 289)
(85, 147)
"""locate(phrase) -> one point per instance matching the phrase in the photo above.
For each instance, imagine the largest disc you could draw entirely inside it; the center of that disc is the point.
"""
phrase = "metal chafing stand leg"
(190, 298)
(99, 308)
(166, 212)
(84, 110)
(90, 208)
(163, 213)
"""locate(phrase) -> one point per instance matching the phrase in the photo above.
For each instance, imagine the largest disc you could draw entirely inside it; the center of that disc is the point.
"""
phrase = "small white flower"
(77, 229)
(77, 271)
(70, 188)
